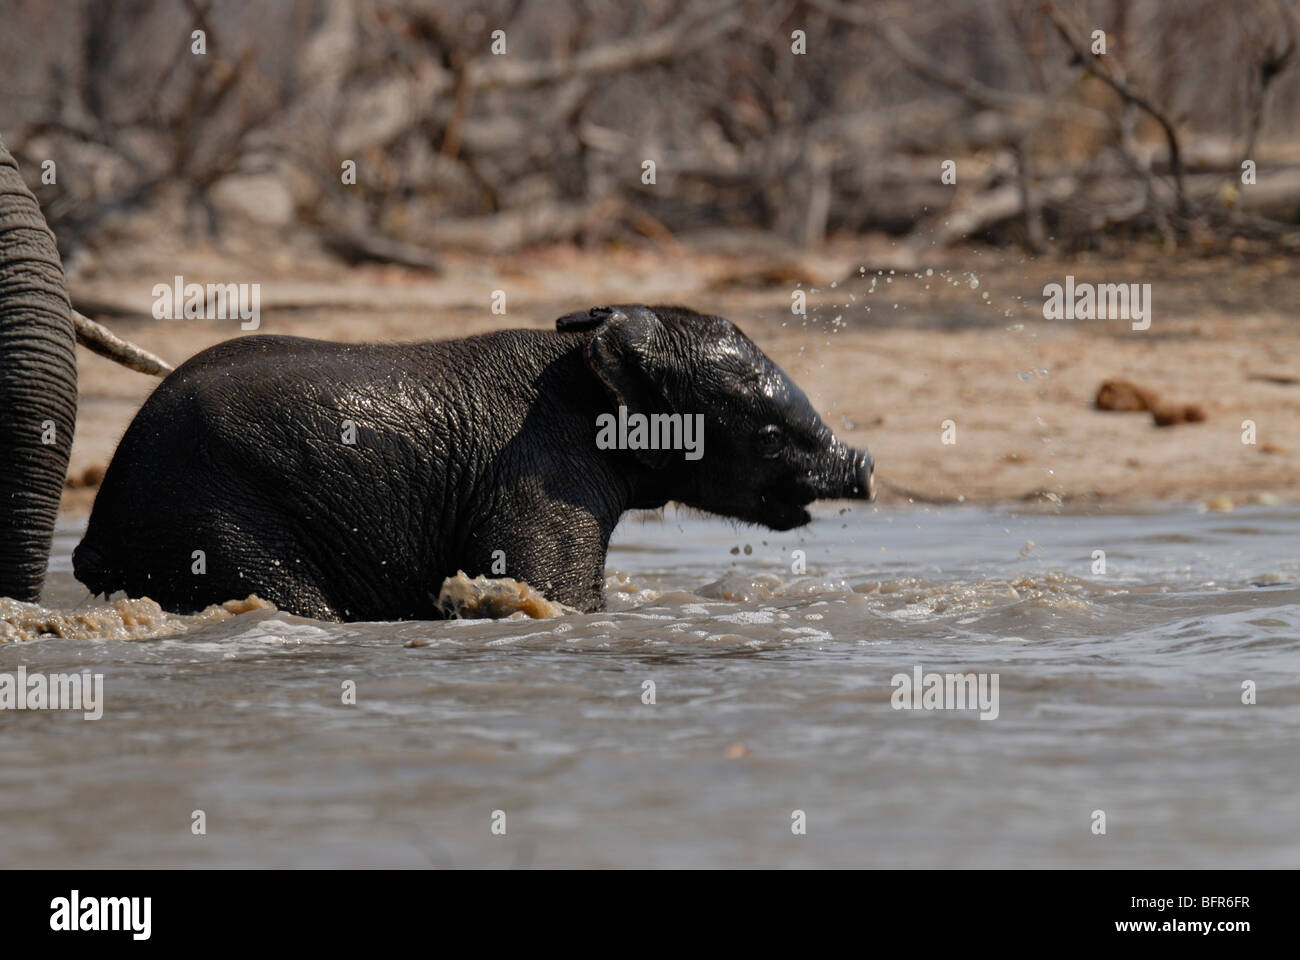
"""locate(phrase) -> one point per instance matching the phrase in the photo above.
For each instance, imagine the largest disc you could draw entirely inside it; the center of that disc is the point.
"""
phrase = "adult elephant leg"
(38, 386)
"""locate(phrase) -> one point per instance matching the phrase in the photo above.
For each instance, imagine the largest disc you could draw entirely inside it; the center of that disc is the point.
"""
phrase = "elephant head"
(38, 386)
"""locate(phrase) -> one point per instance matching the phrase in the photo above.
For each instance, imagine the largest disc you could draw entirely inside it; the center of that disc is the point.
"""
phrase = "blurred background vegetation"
(1055, 150)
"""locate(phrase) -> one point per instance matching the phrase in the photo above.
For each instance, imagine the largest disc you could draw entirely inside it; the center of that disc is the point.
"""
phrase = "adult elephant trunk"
(38, 386)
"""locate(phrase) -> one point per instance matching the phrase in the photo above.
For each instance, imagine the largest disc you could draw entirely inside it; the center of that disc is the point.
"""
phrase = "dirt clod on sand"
(86, 479)
(1124, 395)
(1172, 414)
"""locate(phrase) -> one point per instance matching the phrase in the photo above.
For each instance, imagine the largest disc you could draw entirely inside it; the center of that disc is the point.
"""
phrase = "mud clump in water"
(124, 619)
(496, 599)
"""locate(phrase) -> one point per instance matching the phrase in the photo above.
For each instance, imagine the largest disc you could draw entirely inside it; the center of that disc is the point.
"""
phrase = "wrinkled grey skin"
(38, 386)
(463, 448)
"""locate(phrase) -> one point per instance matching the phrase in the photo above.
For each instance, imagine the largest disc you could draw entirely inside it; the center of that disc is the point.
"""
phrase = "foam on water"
(122, 619)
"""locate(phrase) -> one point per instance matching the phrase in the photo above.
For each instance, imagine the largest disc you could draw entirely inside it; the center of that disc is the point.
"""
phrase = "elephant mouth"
(785, 513)
(784, 507)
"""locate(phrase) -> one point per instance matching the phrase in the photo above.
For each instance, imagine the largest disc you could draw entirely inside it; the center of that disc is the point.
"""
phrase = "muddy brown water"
(1119, 693)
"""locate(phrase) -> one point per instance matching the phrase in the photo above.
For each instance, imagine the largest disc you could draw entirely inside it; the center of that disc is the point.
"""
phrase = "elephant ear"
(584, 320)
(622, 356)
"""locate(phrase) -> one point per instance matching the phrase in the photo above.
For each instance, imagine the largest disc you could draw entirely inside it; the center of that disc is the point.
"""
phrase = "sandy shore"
(886, 357)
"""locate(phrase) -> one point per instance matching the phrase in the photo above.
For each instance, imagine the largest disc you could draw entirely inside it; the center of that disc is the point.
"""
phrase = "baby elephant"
(346, 481)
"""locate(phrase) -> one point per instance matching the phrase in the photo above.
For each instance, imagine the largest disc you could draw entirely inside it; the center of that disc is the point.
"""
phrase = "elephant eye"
(771, 441)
